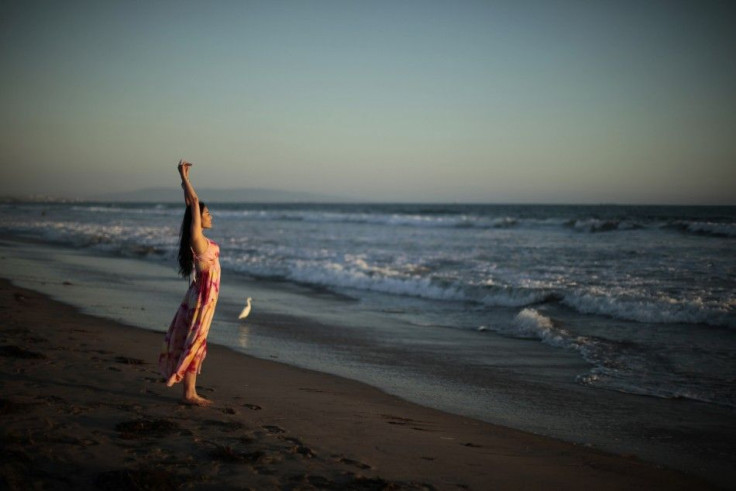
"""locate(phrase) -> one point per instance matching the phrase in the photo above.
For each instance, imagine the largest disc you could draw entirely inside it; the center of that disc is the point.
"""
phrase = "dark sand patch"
(12, 351)
(146, 428)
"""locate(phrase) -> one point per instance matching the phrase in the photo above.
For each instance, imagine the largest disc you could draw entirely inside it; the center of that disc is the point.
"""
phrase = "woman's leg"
(190, 390)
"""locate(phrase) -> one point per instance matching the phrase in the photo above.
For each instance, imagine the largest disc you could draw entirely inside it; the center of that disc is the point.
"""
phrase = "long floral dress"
(185, 343)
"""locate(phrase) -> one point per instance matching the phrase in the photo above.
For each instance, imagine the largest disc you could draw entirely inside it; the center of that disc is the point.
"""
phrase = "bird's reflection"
(243, 335)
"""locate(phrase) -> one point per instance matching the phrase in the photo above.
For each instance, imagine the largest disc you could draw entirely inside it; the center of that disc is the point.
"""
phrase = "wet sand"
(83, 406)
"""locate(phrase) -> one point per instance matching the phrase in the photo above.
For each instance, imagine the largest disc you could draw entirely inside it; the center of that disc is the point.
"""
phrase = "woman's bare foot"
(196, 400)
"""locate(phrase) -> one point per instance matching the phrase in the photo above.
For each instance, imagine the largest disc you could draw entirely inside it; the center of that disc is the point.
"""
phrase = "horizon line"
(47, 199)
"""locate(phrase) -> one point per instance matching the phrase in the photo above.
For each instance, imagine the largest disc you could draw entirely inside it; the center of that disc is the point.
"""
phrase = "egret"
(246, 309)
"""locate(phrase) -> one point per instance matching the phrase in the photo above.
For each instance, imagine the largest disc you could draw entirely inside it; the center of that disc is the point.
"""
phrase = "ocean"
(507, 313)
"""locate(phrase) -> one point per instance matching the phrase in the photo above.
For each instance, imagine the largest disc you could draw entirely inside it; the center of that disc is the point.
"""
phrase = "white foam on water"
(530, 324)
(711, 228)
(651, 309)
(631, 378)
(104, 237)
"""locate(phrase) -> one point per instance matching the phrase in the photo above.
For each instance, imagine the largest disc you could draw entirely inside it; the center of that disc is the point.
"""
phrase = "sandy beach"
(83, 406)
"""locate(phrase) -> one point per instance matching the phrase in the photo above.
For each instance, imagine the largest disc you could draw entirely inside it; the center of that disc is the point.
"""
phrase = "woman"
(185, 344)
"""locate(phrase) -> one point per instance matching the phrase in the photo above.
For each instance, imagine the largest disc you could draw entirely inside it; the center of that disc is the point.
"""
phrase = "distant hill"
(245, 195)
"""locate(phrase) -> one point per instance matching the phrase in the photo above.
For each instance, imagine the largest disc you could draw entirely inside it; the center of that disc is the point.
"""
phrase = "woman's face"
(206, 218)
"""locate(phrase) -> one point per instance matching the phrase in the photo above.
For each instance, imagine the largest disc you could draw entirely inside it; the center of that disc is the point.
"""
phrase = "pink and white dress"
(185, 344)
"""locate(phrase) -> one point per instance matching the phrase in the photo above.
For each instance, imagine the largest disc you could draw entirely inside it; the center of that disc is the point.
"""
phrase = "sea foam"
(530, 324)
(656, 310)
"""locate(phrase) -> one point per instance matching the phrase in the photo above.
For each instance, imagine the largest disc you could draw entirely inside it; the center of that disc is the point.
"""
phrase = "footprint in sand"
(273, 429)
(226, 426)
(229, 454)
(399, 421)
(300, 448)
(246, 439)
(354, 463)
(51, 399)
(305, 452)
(145, 428)
(128, 361)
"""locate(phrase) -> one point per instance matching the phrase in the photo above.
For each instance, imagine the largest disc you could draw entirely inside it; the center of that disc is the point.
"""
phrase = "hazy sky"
(515, 101)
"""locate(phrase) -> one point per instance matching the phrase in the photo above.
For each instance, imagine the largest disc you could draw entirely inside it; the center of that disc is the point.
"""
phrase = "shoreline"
(694, 438)
(272, 425)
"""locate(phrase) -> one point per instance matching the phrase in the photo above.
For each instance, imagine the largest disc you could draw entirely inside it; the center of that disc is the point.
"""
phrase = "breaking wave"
(655, 310)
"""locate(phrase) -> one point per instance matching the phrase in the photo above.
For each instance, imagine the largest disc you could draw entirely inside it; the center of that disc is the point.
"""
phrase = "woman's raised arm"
(199, 242)
(189, 194)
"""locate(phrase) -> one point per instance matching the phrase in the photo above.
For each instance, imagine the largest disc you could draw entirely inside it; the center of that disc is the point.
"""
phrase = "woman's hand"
(190, 197)
(183, 168)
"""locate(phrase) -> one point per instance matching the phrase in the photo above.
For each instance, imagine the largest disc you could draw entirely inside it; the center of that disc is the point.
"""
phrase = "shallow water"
(643, 298)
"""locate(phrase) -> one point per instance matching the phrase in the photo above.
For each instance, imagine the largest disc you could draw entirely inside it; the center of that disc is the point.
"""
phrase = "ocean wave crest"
(596, 225)
(354, 274)
(529, 323)
(506, 296)
(119, 239)
(653, 310)
(711, 229)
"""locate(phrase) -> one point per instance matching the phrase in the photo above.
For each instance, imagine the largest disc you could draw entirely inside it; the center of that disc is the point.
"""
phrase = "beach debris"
(246, 310)
(67, 283)
(482, 328)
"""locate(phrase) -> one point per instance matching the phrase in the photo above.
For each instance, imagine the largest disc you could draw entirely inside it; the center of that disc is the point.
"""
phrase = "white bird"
(246, 310)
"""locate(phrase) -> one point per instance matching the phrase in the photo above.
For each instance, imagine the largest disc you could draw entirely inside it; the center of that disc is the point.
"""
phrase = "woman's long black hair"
(186, 258)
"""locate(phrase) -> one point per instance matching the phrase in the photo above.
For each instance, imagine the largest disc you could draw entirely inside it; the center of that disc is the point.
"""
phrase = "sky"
(426, 101)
